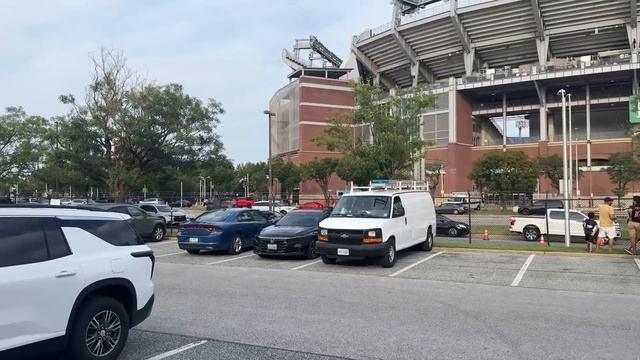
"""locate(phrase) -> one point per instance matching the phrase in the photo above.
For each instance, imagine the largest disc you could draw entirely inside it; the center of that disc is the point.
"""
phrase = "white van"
(377, 224)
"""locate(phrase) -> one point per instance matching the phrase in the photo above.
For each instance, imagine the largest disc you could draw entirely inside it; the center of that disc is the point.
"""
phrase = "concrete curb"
(553, 253)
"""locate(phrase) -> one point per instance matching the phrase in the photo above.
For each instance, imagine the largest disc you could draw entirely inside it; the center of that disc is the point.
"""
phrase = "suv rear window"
(115, 232)
(22, 241)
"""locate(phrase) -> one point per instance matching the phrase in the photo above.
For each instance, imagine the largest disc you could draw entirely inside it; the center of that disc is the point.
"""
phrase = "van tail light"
(512, 222)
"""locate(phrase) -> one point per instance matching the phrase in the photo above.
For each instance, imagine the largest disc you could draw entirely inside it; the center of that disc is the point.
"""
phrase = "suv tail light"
(149, 254)
(512, 222)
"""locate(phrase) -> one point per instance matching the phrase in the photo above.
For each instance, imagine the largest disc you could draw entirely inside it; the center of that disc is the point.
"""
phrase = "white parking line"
(637, 262)
(177, 351)
(227, 260)
(526, 264)
(305, 265)
(416, 264)
(171, 254)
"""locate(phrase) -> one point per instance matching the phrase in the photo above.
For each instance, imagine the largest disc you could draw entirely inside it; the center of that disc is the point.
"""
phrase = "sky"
(229, 50)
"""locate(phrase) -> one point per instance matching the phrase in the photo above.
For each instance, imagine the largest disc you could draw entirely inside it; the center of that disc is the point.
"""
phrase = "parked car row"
(363, 224)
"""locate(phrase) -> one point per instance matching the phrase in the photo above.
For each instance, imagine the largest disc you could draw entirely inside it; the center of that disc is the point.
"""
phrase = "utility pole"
(270, 115)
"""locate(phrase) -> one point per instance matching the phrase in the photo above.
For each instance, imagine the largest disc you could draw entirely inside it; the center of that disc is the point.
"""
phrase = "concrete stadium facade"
(496, 67)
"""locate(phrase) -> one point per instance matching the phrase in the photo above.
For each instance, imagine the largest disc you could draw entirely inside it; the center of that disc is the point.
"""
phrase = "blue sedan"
(230, 230)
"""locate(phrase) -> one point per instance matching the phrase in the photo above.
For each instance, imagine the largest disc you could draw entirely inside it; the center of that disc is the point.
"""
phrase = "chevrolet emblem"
(344, 235)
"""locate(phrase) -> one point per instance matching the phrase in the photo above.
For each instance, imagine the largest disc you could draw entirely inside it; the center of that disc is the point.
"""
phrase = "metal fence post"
(546, 216)
(469, 203)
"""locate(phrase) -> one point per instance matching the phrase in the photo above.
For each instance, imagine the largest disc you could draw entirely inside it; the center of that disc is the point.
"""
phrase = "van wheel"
(531, 233)
(100, 331)
(389, 258)
(328, 260)
(427, 245)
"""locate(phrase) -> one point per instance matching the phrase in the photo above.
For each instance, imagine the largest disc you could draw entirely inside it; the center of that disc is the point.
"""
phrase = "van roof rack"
(392, 185)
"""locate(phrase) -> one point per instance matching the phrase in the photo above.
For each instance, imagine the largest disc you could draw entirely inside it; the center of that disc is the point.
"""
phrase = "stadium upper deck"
(475, 40)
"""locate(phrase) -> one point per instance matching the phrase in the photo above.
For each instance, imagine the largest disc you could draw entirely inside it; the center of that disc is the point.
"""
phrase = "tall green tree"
(551, 167)
(505, 173)
(256, 173)
(22, 146)
(320, 172)
(288, 175)
(395, 142)
(137, 133)
(622, 169)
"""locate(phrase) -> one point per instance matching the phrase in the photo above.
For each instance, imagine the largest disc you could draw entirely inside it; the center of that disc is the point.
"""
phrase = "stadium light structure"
(270, 115)
(565, 190)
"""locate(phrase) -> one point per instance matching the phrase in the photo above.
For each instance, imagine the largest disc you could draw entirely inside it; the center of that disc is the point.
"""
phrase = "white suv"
(74, 280)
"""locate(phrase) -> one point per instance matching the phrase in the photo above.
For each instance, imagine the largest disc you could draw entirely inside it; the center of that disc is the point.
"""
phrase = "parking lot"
(267, 319)
(607, 274)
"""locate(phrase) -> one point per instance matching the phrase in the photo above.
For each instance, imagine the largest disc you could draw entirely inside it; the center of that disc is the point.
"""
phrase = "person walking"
(590, 227)
(633, 225)
(607, 226)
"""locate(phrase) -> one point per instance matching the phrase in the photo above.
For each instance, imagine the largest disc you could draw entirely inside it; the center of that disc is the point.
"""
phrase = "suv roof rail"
(41, 206)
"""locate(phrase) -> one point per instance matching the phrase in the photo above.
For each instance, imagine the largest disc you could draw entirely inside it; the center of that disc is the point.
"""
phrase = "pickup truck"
(532, 226)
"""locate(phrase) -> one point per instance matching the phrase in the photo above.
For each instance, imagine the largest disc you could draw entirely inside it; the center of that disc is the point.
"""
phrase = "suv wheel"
(389, 258)
(158, 233)
(100, 330)
(235, 246)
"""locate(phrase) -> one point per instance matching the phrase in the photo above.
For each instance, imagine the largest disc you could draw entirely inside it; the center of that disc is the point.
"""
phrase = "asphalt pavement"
(443, 304)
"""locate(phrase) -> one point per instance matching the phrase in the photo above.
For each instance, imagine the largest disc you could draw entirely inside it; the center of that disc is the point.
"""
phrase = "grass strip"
(524, 247)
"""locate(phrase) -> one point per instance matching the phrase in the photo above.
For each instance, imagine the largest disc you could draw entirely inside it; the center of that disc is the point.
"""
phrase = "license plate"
(343, 252)
(272, 246)
(193, 240)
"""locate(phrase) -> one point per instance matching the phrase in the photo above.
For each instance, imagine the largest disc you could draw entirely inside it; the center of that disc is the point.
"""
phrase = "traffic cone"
(486, 235)
(541, 240)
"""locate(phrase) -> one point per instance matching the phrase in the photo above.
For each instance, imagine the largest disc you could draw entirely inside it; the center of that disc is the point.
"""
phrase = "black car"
(149, 227)
(294, 235)
(540, 207)
(448, 227)
(448, 208)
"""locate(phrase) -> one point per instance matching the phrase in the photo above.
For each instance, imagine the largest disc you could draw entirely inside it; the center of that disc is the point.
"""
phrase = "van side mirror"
(398, 212)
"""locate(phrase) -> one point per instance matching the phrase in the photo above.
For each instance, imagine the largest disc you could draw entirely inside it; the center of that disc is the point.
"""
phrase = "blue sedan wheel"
(235, 247)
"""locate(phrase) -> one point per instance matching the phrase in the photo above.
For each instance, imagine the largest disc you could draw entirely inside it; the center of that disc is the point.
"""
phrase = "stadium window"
(436, 128)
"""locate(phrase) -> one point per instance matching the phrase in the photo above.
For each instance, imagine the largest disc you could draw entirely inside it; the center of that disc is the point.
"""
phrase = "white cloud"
(223, 49)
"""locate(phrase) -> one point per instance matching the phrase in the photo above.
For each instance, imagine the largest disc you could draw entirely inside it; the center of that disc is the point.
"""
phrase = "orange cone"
(486, 235)
(541, 240)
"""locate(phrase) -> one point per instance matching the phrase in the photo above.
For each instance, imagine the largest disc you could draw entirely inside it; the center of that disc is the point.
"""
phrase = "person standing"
(633, 225)
(607, 226)
(590, 226)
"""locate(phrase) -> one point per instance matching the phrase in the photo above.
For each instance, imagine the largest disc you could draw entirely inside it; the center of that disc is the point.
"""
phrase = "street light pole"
(570, 152)
(270, 115)
(567, 234)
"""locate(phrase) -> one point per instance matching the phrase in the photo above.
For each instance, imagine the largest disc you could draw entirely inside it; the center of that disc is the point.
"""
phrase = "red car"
(312, 205)
(248, 202)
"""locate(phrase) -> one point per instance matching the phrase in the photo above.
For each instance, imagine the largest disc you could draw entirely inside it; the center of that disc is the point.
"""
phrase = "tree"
(623, 168)
(432, 173)
(320, 171)
(395, 144)
(551, 167)
(288, 175)
(21, 144)
(505, 173)
(138, 134)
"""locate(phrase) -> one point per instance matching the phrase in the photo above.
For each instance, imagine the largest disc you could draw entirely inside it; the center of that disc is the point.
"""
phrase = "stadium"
(496, 67)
